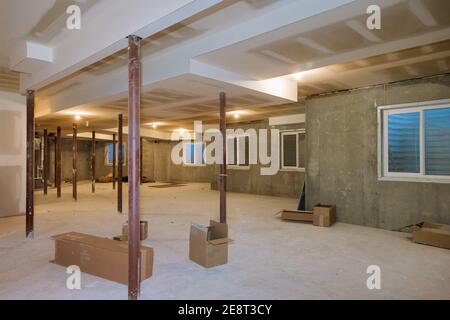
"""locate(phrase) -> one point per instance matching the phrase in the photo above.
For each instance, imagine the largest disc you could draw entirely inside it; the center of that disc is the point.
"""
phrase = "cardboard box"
(433, 234)
(324, 215)
(208, 245)
(143, 232)
(296, 215)
(100, 257)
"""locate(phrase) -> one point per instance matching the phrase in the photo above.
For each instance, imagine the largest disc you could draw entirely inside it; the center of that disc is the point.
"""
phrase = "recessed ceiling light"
(77, 117)
(236, 114)
(297, 76)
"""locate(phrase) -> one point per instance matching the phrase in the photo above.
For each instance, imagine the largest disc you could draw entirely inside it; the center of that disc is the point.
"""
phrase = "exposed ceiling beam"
(422, 13)
(113, 21)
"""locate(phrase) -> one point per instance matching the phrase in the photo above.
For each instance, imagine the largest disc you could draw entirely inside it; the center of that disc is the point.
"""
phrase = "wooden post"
(120, 164)
(114, 162)
(93, 162)
(58, 162)
(29, 223)
(46, 162)
(134, 117)
(141, 169)
(74, 162)
(223, 165)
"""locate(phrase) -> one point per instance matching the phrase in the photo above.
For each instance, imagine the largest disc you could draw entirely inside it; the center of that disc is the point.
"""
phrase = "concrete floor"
(270, 258)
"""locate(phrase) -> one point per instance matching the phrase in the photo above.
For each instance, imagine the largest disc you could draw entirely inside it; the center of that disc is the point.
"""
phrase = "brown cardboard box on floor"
(143, 231)
(324, 215)
(433, 234)
(208, 245)
(296, 215)
(100, 257)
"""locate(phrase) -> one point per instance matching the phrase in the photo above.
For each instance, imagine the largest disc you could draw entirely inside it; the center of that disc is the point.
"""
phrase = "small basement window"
(293, 150)
(109, 154)
(415, 142)
(194, 154)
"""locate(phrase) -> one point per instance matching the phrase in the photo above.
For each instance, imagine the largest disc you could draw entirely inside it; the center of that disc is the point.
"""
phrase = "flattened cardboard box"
(296, 215)
(208, 245)
(433, 234)
(324, 215)
(100, 257)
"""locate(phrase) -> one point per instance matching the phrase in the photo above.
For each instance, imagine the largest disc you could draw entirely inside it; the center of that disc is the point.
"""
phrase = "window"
(109, 154)
(194, 154)
(293, 150)
(238, 148)
(415, 142)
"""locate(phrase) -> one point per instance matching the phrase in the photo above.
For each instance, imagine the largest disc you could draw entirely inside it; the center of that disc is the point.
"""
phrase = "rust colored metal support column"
(93, 162)
(114, 162)
(134, 117)
(58, 162)
(74, 162)
(223, 165)
(46, 162)
(54, 160)
(29, 223)
(120, 163)
(141, 169)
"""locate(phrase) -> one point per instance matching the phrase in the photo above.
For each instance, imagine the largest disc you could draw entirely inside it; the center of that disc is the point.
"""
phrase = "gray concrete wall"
(83, 160)
(342, 158)
(158, 166)
(285, 183)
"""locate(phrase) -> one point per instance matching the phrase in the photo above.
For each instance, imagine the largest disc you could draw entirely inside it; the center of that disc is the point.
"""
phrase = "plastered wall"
(12, 154)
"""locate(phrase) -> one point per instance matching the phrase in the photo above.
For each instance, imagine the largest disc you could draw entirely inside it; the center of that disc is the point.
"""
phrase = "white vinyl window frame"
(196, 162)
(383, 113)
(237, 155)
(297, 134)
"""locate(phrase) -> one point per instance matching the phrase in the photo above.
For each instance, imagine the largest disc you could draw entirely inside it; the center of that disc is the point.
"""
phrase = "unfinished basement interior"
(268, 149)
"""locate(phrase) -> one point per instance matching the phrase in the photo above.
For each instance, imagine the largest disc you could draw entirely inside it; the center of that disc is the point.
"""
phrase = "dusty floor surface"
(270, 258)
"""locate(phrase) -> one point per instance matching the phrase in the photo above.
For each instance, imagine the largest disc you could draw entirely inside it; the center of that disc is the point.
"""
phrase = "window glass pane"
(110, 154)
(301, 149)
(437, 141)
(289, 150)
(403, 142)
(199, 149)
(189, 153)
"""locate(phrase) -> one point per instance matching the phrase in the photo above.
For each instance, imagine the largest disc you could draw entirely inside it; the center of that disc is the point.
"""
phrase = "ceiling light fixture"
(236, 114)
(297, 76)
(77, 117)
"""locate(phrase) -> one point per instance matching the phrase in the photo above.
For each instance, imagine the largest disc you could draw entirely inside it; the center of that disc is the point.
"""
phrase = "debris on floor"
(147, 180)
(321, 216)
(433, 234)
(106, 178)
(98, 256)
(168, 185)
(296, 215)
